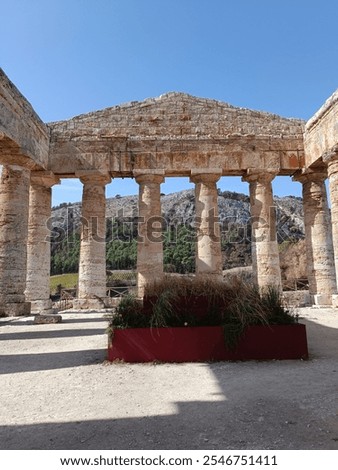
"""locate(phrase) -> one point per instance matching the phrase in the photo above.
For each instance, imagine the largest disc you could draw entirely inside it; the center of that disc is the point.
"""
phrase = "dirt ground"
(58, 392)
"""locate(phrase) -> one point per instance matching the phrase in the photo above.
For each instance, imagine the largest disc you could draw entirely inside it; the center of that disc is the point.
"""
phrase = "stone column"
(208, 244)
(332, 171)
(264, 244)
(38, 246)
(14, 204)
(150, 237)
(318, 238)
(92, 290)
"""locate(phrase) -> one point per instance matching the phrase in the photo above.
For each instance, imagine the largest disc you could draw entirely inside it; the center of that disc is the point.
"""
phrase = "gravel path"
(57, 392)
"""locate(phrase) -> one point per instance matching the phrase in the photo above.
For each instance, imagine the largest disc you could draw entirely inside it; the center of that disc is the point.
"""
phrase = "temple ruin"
(172, 135)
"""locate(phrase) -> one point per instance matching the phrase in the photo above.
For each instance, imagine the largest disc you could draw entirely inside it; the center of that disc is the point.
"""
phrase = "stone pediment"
(177, 115)
(175, 132)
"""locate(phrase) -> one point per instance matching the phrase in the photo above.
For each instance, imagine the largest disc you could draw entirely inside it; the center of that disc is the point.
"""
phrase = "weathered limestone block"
(297, 298)
(265, 255)
(321, 134)
(38, 247)
(45, 319)
(208, 244)
(92, 266)
(14, 202)
(150, 237)
(24, 138)
(318, 238)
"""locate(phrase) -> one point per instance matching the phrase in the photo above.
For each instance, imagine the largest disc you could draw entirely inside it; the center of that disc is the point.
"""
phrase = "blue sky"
(74, 56)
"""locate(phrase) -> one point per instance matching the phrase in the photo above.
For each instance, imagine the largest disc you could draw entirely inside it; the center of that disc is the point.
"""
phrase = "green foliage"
(129, 314)
(66, 281)
(122, 229)
(162, 310)
(121, 249)
(65, 255)
(121, 254)
(272, 303)
(179, 249)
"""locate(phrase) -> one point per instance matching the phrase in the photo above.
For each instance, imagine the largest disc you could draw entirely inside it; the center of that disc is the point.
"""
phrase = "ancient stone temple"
(172, 135)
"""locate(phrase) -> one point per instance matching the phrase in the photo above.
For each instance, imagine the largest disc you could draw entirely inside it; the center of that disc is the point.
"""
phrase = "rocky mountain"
(179, 209)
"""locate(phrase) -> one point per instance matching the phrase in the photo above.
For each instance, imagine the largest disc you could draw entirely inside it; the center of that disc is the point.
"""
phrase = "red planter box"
(206, 343)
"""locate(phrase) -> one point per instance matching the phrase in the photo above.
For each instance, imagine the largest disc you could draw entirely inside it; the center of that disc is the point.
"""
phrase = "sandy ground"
(57, 392)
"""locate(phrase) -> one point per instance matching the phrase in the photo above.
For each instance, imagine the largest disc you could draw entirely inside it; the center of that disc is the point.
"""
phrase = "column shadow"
(15, 363)
(45, 334)
(260, 405)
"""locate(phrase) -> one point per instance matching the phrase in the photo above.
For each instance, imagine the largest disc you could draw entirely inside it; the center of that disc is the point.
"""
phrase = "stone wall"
(321, 132)
(24, 138)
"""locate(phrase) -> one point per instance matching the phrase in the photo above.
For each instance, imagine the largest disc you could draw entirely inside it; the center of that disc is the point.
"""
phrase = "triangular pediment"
(179, 115)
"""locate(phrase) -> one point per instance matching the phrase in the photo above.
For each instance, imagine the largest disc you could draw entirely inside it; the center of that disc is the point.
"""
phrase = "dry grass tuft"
(178, 301)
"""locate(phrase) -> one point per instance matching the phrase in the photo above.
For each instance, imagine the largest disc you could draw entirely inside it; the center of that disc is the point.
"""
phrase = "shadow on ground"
(261, 405)
(12, 364)
(51, 334)
(273, 424)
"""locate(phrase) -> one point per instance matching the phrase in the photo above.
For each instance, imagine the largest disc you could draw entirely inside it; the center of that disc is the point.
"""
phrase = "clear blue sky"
(74, 56)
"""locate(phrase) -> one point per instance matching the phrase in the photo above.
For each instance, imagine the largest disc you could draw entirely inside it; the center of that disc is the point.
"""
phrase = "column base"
(323, 300)
(16, 309)
(41, 306)
(90, 304)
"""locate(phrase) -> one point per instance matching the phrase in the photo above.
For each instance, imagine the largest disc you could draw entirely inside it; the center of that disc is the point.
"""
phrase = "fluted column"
(318, 238)
(208, 243)
(38, 246)
(332, 172)
(150, 237)
(264, 244)
(92, 265)
(14, 204)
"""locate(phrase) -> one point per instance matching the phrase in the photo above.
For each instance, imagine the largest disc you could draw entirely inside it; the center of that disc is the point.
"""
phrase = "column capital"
(257, 175)
(93, 177)
(149, 176)
(46, 179)
(205, 175)
(305, 176)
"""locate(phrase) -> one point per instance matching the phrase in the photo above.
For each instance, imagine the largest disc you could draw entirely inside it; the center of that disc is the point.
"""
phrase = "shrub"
(176, 301)
(129, 314)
